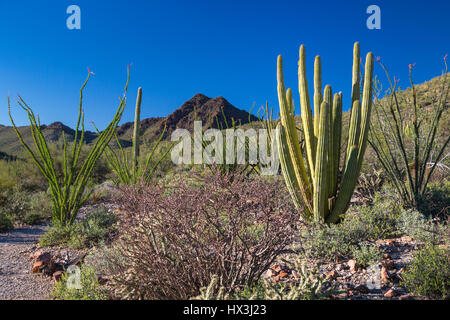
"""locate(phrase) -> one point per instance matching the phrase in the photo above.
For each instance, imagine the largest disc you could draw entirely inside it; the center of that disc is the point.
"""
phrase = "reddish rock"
(45, 257)
(283, 274)
(384, 275)
(387, 256)
(37, 266)
(390, 242)
(333, 274)
(405, 297)
(390, 293)
(276, 268)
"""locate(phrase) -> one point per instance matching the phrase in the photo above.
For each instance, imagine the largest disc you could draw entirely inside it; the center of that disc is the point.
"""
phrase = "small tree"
(68, 193)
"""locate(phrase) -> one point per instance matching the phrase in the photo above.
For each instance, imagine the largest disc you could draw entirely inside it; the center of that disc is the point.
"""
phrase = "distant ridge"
(199, 107)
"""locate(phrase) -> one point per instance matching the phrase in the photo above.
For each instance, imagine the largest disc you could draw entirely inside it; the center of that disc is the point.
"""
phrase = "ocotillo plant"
(120, 164)
(312, 176)
(405, 136)
(68, 194)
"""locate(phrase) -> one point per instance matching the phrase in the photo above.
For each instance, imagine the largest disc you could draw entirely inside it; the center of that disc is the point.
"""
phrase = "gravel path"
(16, 280)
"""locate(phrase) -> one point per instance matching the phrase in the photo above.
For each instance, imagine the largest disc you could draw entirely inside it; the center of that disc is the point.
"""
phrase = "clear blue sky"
(180, 48)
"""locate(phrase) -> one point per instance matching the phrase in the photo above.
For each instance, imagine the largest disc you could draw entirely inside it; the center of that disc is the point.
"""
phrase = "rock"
(44, 263)
(45, 257)
(37, 266)
(390, 293)
(387, 256)
(34, 255)
(57, 275)
(276, 268)
(389, 264)
(268, 274)
(333, 274)
(405, 297)
(390, 242)
(352, 265)
(384, 275)
(282, 274)
(406, 239)
(342, 295)
(362, 289)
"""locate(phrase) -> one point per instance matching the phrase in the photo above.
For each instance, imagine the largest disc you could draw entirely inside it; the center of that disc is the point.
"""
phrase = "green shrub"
(361, 223)
(366, 255)
(327, 242)
(429, 273)
(417, 226)
(5, 223)
(436, 201)
(93, 229)
(309, 286)
(82, 284)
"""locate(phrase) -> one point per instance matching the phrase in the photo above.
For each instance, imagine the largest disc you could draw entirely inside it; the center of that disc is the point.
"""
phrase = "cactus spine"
(317, 188)
(136, 133)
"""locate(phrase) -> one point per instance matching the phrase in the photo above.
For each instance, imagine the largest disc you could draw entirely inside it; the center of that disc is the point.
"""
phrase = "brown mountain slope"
(199, 107)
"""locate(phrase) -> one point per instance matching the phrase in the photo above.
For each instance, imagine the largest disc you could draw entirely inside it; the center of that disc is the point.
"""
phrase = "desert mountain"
(199, 107)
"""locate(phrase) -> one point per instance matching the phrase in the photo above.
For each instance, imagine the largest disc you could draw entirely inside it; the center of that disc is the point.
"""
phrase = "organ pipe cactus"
(136, 133)
(312, 176)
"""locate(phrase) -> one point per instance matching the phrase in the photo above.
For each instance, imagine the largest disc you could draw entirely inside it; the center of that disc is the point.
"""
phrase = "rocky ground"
(351, 282)
(16, 279)
(28, 272)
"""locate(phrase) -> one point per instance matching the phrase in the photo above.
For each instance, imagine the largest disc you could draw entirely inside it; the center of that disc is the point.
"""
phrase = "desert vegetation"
(358, 210)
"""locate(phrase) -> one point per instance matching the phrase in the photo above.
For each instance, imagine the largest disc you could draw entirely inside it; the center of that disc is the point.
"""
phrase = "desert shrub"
(429, 273)
(436, 201)
(308, 286)
(173, 242)
(5, 222)
(366, 255)
(361, 223)
(96, 226)
(328, 242)
(417, 226)
(83, 286)
(16, 206)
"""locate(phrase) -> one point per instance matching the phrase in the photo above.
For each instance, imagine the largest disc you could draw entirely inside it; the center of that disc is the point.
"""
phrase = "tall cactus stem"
(321, 173)
(288, 122)
(356, 86)
(306, 114)
(317, 94)
(336, 129)
(136, 131)
(366, 108)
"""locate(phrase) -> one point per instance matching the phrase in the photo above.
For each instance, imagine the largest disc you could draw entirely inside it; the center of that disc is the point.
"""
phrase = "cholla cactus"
(312, 176)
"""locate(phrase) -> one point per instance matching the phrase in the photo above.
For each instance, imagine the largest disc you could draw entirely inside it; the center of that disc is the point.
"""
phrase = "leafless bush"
(174, 240)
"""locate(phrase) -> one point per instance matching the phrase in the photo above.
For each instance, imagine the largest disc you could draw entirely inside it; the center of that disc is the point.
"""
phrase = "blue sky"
(180, 48)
